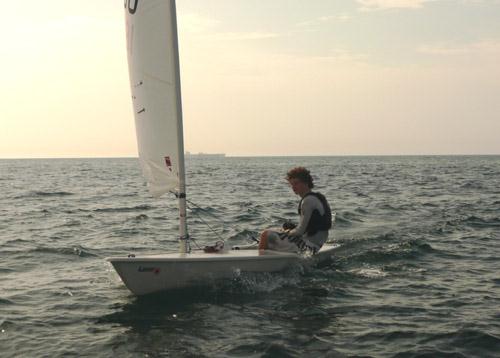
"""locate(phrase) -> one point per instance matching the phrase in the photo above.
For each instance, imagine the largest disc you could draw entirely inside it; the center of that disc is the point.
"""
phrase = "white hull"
(148, 274)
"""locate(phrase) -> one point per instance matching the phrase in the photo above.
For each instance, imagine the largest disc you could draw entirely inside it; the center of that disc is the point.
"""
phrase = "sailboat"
(153, 59)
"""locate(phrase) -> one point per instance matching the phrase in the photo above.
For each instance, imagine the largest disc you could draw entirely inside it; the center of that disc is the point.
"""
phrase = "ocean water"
(417, 273)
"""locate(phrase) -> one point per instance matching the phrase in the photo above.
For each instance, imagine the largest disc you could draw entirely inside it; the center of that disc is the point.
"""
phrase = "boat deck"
(202, 256)
(228, 255)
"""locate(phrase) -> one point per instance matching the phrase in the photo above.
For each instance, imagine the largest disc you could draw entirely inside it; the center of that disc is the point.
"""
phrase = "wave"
(385, 206)
(77, 250)
(36, 194)
(6, 323)
(70, 223)
(139, 218)
(472, 340)
(16, 241)
(472, 221)
(208, 210)
(124, 209)
(472, 185)
(349, 215)
(361, 211)
(348, 218)
(428, 352)
(478, 222)
(245, 217)
(126, 232)
(407, 250)
(368, 272)
(252, 283)
(4, 301)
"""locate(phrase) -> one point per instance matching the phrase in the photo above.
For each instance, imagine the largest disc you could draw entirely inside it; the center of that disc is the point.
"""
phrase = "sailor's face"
(298, 186)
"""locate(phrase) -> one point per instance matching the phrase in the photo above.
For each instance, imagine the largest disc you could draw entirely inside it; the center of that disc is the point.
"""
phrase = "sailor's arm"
(306, 210)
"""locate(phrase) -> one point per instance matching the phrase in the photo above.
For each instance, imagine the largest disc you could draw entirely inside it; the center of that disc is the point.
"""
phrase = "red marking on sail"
(168, 162)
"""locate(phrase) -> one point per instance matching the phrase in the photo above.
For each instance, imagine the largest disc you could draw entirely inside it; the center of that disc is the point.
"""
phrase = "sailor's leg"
(263, 243)
(276, 240)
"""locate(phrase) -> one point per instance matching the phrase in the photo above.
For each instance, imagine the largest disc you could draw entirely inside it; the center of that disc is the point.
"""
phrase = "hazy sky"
(273, 77)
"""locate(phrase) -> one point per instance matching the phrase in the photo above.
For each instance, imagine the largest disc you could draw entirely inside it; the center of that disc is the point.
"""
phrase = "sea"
(416, 273)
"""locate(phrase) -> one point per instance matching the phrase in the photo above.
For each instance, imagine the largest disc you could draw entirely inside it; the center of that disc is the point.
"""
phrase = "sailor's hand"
(301, 244)
(288, 225)
(284, 234)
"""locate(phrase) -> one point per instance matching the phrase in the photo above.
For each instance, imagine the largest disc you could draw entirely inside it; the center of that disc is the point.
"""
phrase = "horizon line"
(270, 156)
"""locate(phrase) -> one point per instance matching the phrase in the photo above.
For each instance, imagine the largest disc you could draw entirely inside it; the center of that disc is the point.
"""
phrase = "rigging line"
(214, 216)
(197, 246)
(211, 229)
(237, 228)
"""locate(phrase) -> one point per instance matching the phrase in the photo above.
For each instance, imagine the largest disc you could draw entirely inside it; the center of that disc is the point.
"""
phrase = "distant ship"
(205, 155)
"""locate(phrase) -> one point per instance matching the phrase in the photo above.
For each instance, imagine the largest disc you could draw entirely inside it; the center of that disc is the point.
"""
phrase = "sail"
(155, 85)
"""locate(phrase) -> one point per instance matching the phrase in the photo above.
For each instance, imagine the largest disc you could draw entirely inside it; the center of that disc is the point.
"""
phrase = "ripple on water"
(42, 194)
(4, 301)
(124, 209)
(478, 222)
(467, 340)
(66, 251)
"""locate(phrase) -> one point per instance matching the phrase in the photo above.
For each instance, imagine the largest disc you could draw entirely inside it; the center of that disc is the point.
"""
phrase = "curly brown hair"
(302, 174)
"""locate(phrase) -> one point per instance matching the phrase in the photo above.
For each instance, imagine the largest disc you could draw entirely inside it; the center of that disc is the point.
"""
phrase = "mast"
(183, 232)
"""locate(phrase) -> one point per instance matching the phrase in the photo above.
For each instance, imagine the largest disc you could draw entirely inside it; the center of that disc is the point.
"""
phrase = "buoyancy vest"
(318, 222)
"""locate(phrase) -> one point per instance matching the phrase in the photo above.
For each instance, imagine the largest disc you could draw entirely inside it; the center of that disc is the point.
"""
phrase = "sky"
(274, 77)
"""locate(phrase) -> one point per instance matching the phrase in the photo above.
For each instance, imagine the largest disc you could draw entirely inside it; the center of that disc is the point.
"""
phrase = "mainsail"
(154, 80)
(153, 58)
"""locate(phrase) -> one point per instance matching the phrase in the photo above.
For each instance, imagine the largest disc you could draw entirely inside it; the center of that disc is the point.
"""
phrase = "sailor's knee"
(264, 234)
(263, 239)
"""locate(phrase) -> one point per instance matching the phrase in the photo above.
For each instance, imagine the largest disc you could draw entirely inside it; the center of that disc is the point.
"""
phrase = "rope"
(197, 246)
(207, 224)
(217, 235)
(219, 219)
